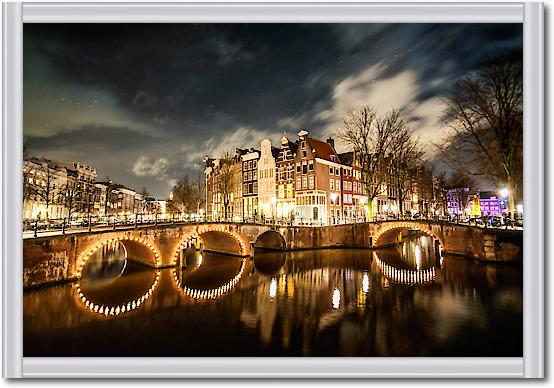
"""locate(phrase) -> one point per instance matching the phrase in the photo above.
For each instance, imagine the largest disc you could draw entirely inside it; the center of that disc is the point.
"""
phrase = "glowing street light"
(504, 192)
(333, 198)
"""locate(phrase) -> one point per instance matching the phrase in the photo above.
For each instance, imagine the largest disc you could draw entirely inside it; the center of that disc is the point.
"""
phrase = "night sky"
(145, 103)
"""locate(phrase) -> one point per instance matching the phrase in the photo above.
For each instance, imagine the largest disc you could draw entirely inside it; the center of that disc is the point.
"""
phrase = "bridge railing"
(76, 224)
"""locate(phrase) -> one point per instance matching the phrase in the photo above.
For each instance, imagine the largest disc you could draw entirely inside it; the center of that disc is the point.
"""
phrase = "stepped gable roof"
(323, 150)
(293, 145)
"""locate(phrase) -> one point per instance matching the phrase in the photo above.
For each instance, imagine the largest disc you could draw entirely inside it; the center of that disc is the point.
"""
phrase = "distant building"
(354, 198)
(54, 189)
(224, 185)
(267, 200)
(318, 181)
(457, 201)
(250, 183)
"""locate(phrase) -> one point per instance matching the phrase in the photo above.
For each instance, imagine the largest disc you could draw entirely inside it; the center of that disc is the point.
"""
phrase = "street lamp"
(504, 192)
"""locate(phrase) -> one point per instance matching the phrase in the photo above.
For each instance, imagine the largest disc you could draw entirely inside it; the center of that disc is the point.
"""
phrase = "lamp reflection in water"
(336, 298)
(365, 283)
(273, 288)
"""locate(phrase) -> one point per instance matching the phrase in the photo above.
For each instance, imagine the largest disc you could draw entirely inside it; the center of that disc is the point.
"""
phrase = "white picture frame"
(531, 365)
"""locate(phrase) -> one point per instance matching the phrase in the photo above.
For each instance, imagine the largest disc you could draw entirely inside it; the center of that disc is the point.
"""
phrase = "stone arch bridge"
(61, 257)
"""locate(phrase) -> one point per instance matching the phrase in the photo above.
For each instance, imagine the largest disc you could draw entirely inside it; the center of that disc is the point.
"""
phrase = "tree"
(377, 141)
(485, 114)
(200, 191)
(188, 195)
(70, 195)
(409, 156)
(147, 202)
(225, 180)
(45, 190)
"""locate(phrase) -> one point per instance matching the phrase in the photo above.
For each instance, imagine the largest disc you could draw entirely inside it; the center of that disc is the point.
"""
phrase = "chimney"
(331, 142)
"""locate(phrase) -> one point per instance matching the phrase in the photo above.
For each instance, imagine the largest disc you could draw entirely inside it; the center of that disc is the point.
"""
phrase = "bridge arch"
(391, 226)
(136, 248)
(270, 239)
(215, 239)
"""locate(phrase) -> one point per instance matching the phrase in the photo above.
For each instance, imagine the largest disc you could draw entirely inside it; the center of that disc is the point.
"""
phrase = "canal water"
(406, 300)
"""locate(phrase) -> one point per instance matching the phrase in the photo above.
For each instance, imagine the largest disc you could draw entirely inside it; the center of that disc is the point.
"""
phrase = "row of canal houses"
(305, 181)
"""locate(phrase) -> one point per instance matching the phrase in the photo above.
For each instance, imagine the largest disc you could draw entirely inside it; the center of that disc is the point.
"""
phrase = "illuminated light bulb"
(112, 311)
(122, 309)
(101, 311)
(134, 305)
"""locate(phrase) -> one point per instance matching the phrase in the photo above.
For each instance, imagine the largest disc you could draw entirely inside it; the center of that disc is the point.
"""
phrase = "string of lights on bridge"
(407, 225)
(196, 235)
(94, 249)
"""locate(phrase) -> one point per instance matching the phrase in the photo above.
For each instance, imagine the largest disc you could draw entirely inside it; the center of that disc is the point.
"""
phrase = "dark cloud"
(126, 96)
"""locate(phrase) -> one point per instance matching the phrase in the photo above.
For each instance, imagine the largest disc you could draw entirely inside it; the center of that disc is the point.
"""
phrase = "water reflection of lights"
(418, 257)
(273, 288)
(199, 261)
(365, 283)
(336, 298)
(406, 276)
(120, 308)
(213, 293)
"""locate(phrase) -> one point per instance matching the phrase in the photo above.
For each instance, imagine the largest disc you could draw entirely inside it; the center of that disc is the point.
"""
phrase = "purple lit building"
(490, 204)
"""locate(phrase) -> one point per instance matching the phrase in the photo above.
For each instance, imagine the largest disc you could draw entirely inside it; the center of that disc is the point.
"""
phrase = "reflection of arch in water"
(270, 240)
(212, 293)
(106, 253)
(405, 276)
(120, 308)
(269, 263)
(408, 226)
(137, 247)
(206, 241)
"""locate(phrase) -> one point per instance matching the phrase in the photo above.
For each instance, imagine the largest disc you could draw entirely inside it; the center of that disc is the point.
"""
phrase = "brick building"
(285, 178)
